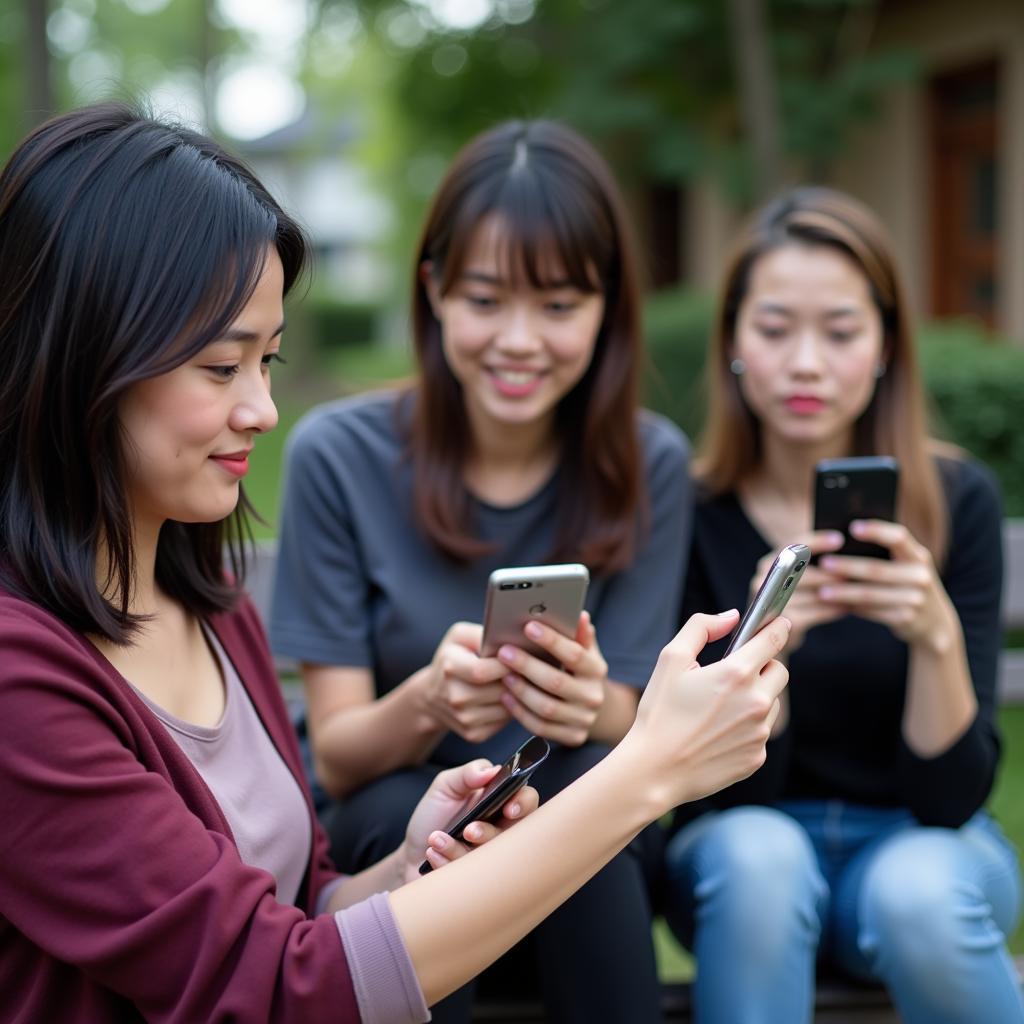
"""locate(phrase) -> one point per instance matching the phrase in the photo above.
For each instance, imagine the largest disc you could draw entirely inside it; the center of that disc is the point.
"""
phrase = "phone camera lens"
(525, 586)
(800, 565)
(788, 583)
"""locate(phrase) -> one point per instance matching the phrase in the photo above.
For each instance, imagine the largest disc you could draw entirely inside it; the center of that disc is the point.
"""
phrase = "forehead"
(807, 276)
(495, 249)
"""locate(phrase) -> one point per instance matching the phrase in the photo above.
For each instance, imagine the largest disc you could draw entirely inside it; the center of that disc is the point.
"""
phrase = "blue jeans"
(758, 893)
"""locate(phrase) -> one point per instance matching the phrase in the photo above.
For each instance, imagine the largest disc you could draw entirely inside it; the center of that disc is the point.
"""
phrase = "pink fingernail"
(533, 630)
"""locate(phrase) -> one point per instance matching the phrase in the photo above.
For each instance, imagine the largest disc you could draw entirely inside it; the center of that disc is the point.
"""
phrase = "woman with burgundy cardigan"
(160, 859)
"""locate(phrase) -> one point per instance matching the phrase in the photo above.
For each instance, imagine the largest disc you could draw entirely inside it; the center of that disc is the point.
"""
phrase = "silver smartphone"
(772, 595)
(552, 594)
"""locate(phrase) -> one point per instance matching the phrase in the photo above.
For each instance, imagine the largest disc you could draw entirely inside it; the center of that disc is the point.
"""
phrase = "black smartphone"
(773, 594)
(512, 776)
(858, 488)
(552, 594)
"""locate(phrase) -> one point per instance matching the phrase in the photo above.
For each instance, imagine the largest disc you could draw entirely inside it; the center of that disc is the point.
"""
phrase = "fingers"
(579, 658)
(465, 634)
(575, 709)
(862, 595)
(877, 570)
(575, 685)
(572, 735)
(821, 541)
(763, 646)
(894, 536)
(462, 663)
(700, 630)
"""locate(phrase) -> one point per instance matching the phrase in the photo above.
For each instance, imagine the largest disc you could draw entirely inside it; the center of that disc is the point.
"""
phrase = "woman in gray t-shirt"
(520, 443)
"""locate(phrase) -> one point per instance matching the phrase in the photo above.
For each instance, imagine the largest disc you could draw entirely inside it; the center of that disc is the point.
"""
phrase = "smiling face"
(811, 339)
(515, 349)
(189, 431)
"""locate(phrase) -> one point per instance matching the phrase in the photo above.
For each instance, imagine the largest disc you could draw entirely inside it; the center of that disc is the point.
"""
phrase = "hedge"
(976, 383)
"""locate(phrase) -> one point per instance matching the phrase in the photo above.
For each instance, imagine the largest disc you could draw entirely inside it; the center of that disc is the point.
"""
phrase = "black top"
(848, 679)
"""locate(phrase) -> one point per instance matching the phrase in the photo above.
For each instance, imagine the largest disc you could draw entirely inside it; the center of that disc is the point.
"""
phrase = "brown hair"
(894, 422)
(554, 194)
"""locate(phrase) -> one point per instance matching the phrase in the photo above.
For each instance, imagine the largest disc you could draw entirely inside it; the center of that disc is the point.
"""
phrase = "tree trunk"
(755, 79)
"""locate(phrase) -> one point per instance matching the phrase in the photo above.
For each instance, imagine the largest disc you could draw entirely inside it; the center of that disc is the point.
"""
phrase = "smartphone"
(513, 775)
(861, 488)
(552, 594)
(772, 595)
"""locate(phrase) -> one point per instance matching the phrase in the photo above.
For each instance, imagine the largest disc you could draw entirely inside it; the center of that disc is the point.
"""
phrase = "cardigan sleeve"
(948, 788)
(105, 867)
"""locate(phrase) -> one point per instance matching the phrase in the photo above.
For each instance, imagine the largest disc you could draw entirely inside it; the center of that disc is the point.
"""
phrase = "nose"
(517, 334)
(255, 410)
(807, 357)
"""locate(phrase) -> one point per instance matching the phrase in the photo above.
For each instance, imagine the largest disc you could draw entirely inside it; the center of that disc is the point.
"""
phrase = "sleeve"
(103, 866)
(639, 609)
(947, 789)
(320, 595)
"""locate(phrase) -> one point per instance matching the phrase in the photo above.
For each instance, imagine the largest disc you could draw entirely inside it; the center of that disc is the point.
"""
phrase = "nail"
(438, 840)
(473, 831)
(514, 810)
(507, 654)
(534, 631)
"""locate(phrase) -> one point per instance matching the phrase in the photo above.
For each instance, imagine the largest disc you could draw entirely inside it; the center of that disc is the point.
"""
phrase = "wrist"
(650, 790)
(417, 692)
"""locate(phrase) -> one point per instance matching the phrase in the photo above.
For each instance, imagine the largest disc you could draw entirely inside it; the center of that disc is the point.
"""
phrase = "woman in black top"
(863, 839)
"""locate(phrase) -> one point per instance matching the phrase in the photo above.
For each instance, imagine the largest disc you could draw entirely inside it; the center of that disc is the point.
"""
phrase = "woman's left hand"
(559, 702)
(451, 791)
(904, 594)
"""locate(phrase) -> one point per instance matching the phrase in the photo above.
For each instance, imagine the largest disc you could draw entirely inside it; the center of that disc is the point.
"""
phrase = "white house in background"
(308, 167)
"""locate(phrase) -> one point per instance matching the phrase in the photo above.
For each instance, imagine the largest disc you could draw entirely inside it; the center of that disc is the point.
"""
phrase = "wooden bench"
(837, 1001)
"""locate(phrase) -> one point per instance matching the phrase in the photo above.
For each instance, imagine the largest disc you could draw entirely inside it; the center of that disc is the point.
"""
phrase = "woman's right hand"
(706, 727)
(462, 691)
(805, 609)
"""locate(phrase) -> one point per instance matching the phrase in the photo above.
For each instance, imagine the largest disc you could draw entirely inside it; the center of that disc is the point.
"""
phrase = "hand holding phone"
(550, 594)
(855, 488)
(513, 775)
(773, 594)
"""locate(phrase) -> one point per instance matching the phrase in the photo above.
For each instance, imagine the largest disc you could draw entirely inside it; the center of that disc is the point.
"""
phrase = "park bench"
(837, 1001)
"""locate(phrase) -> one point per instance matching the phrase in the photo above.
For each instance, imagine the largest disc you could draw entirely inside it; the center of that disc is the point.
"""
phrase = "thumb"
(466, 779)
(700, 630)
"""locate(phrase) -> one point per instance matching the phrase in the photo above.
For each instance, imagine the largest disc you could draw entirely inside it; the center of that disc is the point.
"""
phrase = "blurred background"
(349, 110)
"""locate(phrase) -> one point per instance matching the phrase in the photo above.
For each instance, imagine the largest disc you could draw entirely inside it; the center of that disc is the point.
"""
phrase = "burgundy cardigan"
(122, 894)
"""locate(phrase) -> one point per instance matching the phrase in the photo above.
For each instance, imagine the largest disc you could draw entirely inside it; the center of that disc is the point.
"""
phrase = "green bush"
(975, 383)
(333, 322)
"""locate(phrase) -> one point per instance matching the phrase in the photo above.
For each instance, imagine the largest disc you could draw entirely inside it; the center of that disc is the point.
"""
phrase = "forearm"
(384, 876)
(357, 744)
(941, 702)
(616, 714)
(491, 899)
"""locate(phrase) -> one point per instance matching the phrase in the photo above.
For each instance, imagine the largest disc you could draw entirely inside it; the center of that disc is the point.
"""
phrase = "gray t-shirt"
(359, 584)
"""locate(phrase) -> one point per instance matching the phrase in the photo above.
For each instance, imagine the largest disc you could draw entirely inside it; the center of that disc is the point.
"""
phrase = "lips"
(235, 463)
(514, 382)
(804, 405)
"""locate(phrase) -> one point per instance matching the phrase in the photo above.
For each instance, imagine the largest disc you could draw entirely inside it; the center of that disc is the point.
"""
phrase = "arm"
(696, 729)
(952, 627)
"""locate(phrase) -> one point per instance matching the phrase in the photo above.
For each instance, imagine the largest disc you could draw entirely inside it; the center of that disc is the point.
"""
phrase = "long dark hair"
(555, 194)
(126, 245)
(895, 420)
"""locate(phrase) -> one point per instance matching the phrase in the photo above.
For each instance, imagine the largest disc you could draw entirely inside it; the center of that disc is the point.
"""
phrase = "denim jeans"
(759, 893)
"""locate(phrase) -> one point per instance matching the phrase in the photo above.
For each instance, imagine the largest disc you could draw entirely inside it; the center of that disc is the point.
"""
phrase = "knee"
(757, 857)
(917, 904)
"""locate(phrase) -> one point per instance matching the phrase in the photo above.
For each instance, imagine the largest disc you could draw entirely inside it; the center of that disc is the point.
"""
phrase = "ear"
(429, 283)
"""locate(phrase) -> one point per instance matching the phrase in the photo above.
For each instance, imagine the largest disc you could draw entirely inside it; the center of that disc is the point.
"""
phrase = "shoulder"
(358, 422)
(29, 634)
(971, 488)
(660, 439)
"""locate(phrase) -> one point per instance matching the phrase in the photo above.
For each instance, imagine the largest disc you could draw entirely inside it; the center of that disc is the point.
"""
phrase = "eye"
(771, 331)
(481, 301)
(273, 357)
(224, 372)
(561, 308)
(841, 336)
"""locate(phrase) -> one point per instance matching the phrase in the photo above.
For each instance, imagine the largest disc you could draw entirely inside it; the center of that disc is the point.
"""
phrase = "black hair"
(127, 244)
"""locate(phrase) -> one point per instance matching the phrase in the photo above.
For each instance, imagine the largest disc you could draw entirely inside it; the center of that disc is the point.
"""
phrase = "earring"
(880, 369)
(738, 367)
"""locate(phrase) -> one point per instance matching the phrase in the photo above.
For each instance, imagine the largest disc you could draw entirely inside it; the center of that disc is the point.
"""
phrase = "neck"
(508, 462)
(787, 469)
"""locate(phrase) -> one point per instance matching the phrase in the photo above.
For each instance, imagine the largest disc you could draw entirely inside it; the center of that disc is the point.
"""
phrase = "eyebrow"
(831, 314)
(241, 334)
(481, 278)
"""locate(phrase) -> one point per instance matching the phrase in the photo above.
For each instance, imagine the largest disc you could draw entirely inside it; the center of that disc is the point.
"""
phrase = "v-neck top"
(259, 796)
